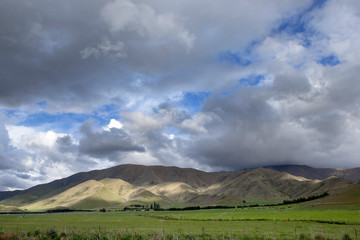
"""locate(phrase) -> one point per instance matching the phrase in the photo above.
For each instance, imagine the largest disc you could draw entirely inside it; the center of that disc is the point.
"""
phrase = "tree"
(156, 206)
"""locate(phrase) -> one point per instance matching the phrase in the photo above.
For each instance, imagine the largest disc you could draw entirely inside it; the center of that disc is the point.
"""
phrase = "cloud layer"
(215, 86)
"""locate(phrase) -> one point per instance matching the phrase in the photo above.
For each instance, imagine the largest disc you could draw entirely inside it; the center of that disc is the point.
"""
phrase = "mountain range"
(123, 185)
(318, 173)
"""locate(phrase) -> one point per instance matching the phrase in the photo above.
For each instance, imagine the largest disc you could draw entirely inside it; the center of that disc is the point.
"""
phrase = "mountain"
(346, 197)
(128, 184)
(318, 173)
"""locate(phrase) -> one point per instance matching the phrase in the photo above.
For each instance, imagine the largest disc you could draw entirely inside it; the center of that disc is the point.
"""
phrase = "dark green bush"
(319, 237)
(346, 237)
(304, 237)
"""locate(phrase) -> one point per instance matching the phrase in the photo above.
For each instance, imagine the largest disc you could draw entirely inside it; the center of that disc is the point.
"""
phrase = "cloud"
(306, 116)
(106, 48)
(124, 15)
(10, 156)
(113, 124)
(284, 85)
(138, 121)
(196, 123)
(32, 156)
(9, 182)
(107, 143)
(75, 57)
(339, 25)
(231, 85)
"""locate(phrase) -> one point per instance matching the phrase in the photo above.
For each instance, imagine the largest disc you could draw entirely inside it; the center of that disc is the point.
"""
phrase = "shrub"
(319, 237)
(304, 237)
(346, 237)
(52, 234)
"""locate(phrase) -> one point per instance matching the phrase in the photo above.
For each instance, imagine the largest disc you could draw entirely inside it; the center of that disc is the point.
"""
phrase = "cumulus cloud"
(196, 123)
(74, 58)
(124, 15)
(106, 143)
(138, 121)
(280, 77)
(107, 48)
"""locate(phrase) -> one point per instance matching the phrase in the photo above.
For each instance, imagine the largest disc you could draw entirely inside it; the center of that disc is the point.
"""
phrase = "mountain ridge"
(122, 185)
(318, 173)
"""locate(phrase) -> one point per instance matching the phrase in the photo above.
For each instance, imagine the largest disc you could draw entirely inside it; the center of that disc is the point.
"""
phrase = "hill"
(318, 173)
(346, 197)
(123, 185)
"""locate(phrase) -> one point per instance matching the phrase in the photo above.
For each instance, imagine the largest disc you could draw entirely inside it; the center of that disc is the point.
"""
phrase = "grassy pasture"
(345, 216)
(271, 223)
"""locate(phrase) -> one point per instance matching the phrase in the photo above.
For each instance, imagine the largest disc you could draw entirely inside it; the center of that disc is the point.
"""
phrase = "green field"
(268, 223)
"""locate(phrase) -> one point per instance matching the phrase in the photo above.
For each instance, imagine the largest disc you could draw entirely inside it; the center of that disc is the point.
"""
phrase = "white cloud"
(288, 51)
(124, 15)
(16, 134)
(105, 48)
(143, 55)
(339, 22)
(113, 124)
(197, 123)
(138, 121)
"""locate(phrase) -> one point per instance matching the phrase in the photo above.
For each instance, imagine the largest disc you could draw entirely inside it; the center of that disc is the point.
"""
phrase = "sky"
(211, 85)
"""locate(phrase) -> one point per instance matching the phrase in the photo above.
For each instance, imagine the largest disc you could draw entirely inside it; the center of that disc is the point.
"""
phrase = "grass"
(269, 223)
(284, 213)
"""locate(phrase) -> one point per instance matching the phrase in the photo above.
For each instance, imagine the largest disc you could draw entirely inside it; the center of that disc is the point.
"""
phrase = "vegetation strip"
(247, 219)
(156, 206)
(55, 235)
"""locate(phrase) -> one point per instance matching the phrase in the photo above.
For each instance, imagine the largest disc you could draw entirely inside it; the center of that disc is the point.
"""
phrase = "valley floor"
(268, 223)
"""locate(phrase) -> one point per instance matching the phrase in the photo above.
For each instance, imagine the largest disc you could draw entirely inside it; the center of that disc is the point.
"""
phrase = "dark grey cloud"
(143, 56)
(106, 143)
(287, 122)
(9, 182)
(23, 175)
(9, 155)
(344, 87)
(84, 52)
(290, 85)
(41, 49)
(66, 144)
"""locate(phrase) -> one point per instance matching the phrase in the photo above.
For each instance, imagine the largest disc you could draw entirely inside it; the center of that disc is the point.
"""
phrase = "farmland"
(270, 223)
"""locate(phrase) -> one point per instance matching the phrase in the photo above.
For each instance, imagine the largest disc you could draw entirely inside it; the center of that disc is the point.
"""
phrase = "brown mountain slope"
(318, 173)
(134, 174)
(126, 184)
(266, 184)
(92, 193)
(346, 197)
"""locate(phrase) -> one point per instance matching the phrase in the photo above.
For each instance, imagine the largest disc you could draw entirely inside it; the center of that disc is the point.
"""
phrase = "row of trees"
(305, 199)
(156, 206)
(137, 207)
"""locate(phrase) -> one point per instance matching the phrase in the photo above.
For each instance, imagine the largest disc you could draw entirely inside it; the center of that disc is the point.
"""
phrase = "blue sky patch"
(292, 25)
(106, 112)
(249, 81)
(316, 4)
(234, 58)
(10, 112)
(66, 121)
(331, 60)
(61, 121)
(171, 130)
(252, 80)
(298, 24)
(42, 103)
(193, 101)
